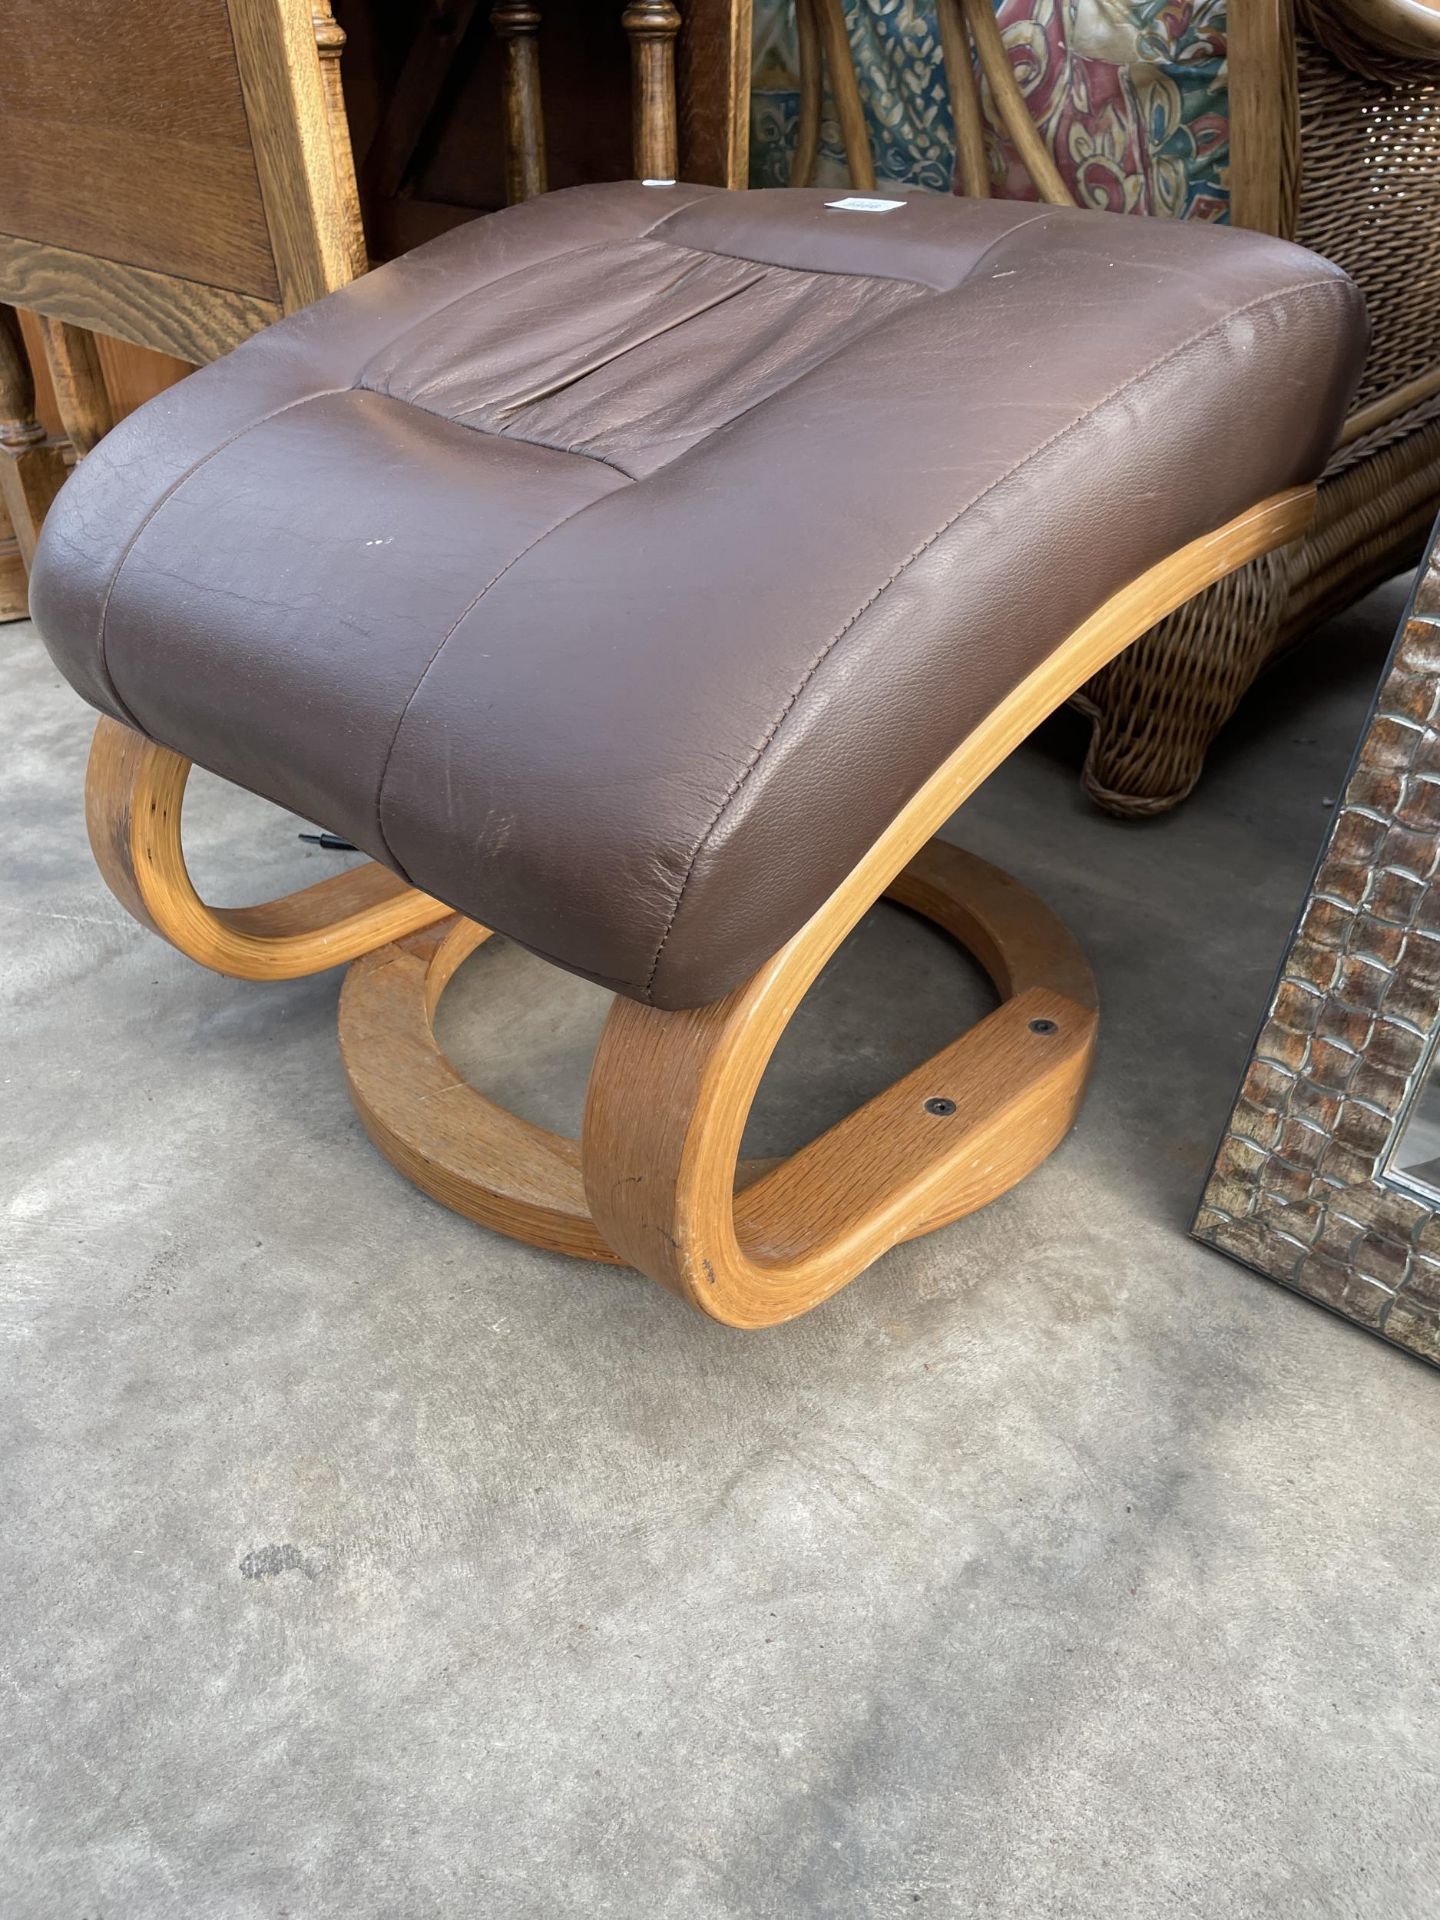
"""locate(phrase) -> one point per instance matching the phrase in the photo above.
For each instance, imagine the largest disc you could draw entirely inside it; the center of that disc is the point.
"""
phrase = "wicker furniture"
(1335, 138)
(1334, 125)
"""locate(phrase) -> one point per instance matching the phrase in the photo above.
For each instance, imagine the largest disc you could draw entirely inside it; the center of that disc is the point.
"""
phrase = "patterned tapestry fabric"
(1129, 94)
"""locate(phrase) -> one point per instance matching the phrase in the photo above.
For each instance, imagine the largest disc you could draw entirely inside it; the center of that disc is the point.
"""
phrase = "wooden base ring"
(979, 1116)
(464, 1150)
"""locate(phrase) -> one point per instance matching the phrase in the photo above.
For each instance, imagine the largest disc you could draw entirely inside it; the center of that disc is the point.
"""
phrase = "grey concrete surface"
(359, 1563)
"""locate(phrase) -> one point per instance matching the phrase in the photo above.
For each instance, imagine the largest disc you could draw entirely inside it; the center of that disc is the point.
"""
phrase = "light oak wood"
(670, 1092)
(1010, 103)
(480, 1160)
(517, 23)
(454, 1143)
(330, 45)
(964, 91)
(311, 206)
(652, 26)
(134, 792)
(109, 296)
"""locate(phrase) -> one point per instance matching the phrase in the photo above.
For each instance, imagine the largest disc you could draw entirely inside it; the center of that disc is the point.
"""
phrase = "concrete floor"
(359, 1563)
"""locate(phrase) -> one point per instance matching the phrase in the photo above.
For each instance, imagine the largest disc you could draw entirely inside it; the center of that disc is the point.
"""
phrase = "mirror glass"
(1415, 1156)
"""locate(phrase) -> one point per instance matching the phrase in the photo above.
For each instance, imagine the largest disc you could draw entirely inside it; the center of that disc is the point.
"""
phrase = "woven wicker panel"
(1370, 199)
(1373, 515)
(1368, 195)
(1299, 1188)
(1157, 709)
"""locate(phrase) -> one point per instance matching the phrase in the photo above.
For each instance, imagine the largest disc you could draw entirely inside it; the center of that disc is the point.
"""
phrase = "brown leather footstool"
(646, 573)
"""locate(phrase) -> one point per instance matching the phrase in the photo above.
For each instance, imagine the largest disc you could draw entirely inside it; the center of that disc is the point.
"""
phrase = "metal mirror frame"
(1301, 1188)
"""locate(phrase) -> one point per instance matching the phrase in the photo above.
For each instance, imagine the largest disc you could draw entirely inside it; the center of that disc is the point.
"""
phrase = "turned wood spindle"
(32, 469)
(330, 44)
(652, 26)
(81, 395)
(19, 427)
(516, 22)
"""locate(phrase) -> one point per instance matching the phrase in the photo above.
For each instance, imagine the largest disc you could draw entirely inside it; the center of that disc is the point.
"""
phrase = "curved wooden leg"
(455, 1144)
(655, 1180)
(990, 1106)
(670, 1091)
(670, 1094)
(451, 1140)
(134, 791)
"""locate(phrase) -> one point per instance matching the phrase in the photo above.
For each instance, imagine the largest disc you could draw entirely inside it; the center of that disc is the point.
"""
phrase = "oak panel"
(123, 132)
(173, 316)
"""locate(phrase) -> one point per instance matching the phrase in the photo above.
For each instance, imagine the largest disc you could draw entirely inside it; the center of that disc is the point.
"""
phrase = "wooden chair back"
(171, 171)
(174, 174)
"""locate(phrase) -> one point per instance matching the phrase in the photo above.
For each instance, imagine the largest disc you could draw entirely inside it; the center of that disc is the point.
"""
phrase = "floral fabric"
(1129, 95)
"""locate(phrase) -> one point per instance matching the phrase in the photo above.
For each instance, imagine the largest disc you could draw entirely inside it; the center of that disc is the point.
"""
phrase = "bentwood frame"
(654, 1181)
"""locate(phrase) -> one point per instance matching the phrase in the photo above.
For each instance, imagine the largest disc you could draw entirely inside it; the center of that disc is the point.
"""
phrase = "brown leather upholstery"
(617, 566)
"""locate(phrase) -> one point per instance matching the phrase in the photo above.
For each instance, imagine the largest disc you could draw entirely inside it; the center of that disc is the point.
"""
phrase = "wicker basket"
(1356, 152)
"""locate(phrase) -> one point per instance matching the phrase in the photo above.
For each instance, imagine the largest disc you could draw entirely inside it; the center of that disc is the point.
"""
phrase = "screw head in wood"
(940, 1105)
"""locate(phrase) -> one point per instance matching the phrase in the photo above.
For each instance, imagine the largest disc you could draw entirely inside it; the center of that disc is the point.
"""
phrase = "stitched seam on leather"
(470, 292)
(479, 287)
(1171, 353)
(321, 393)
(841, 345)
(460, 617)
(849, 273)
(495, 433)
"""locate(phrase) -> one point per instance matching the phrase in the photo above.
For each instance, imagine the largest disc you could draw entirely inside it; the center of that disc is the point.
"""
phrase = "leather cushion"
(617, 566)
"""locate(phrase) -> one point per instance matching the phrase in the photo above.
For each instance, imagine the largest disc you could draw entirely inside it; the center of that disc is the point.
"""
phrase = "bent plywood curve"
(670, 1091)
(134, 793)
